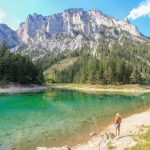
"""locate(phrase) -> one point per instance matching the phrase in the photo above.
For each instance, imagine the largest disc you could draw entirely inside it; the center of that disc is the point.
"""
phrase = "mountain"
(71, 29)
(9, 36)
(107, 50)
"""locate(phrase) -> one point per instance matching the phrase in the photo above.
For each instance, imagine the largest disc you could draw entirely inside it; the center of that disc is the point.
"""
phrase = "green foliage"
(17, 68)
(123, 64)
(89, 69)
(49, 74)
(135, 76)
(51, 58)
(145, 144)
(112, 63)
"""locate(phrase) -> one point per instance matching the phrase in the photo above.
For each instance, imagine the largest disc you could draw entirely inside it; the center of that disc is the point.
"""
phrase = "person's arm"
(120, 120)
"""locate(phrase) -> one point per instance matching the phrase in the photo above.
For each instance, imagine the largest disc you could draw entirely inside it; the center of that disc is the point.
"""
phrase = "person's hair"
(117, 114)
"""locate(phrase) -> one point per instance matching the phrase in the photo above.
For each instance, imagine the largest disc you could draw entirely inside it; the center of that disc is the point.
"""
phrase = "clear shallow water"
(60, 117)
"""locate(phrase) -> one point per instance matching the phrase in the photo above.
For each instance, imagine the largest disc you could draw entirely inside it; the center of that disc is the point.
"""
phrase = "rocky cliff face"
(72, 29)
(8, 35)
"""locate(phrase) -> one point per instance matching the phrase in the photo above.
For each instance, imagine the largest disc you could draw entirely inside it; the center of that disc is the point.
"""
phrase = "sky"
(13, 12)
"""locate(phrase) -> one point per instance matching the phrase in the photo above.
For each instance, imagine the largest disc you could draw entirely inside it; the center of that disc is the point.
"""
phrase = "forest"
(110, 63)
(19, 69)
(120, 64)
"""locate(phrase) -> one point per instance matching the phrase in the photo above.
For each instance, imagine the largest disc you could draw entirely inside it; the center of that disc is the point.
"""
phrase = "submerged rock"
(5, 147)
(93, 134)
(101, 142)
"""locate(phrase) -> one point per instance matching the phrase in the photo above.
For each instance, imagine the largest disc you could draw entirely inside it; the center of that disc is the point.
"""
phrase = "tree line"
(17, 68)
(104, 71)
(123, 64)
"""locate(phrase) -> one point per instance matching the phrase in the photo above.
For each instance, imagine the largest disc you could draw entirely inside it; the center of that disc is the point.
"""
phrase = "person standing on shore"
(117, 124)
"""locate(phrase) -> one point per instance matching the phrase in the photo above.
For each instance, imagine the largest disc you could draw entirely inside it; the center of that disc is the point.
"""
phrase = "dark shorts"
(117, 125)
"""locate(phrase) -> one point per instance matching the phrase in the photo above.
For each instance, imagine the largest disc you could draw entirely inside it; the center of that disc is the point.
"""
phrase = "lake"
(61, 117)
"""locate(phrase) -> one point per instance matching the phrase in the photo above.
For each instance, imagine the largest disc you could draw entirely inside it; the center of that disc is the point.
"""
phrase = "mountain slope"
(49, 74)
(9, 36)
(122, 64)
(109, 50)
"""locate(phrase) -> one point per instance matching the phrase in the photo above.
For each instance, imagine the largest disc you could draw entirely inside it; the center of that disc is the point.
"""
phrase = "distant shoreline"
(137, 89)
(88, 88)
(14, 89)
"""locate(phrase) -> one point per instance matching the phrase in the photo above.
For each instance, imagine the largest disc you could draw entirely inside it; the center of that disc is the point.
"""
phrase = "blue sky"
(13, 12)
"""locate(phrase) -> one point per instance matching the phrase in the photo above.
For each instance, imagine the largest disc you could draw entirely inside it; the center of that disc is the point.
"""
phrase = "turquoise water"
(60, 117)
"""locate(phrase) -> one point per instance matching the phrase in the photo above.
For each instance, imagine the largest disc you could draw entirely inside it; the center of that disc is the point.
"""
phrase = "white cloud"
(142, 10)
(2, 15)
(14, 23)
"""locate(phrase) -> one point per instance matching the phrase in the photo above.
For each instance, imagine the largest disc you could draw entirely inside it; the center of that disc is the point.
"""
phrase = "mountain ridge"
(71, 29)
(8, 35)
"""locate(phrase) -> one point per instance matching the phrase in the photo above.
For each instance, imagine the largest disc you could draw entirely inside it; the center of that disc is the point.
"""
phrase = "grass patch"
(49, 74)
(101, 89)
(144, 143)
(100, 86)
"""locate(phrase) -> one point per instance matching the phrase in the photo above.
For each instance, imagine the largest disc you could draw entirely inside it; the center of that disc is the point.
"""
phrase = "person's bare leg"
(116, 131)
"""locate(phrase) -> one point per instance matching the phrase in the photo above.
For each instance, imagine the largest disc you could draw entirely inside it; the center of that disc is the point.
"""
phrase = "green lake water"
(61, 117)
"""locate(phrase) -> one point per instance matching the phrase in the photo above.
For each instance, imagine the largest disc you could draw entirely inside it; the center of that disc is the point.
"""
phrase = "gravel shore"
(129, 127)
(22, 89)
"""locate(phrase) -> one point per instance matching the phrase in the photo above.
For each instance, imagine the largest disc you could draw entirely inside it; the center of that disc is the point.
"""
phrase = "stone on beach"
(93, 134)
(54, 148)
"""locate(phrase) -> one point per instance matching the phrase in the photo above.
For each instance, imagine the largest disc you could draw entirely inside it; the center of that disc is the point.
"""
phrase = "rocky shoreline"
(22, 89)
(89, 89)
(130, 126)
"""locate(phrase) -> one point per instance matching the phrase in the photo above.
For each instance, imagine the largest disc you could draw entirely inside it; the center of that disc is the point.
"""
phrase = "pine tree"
(135, 76)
